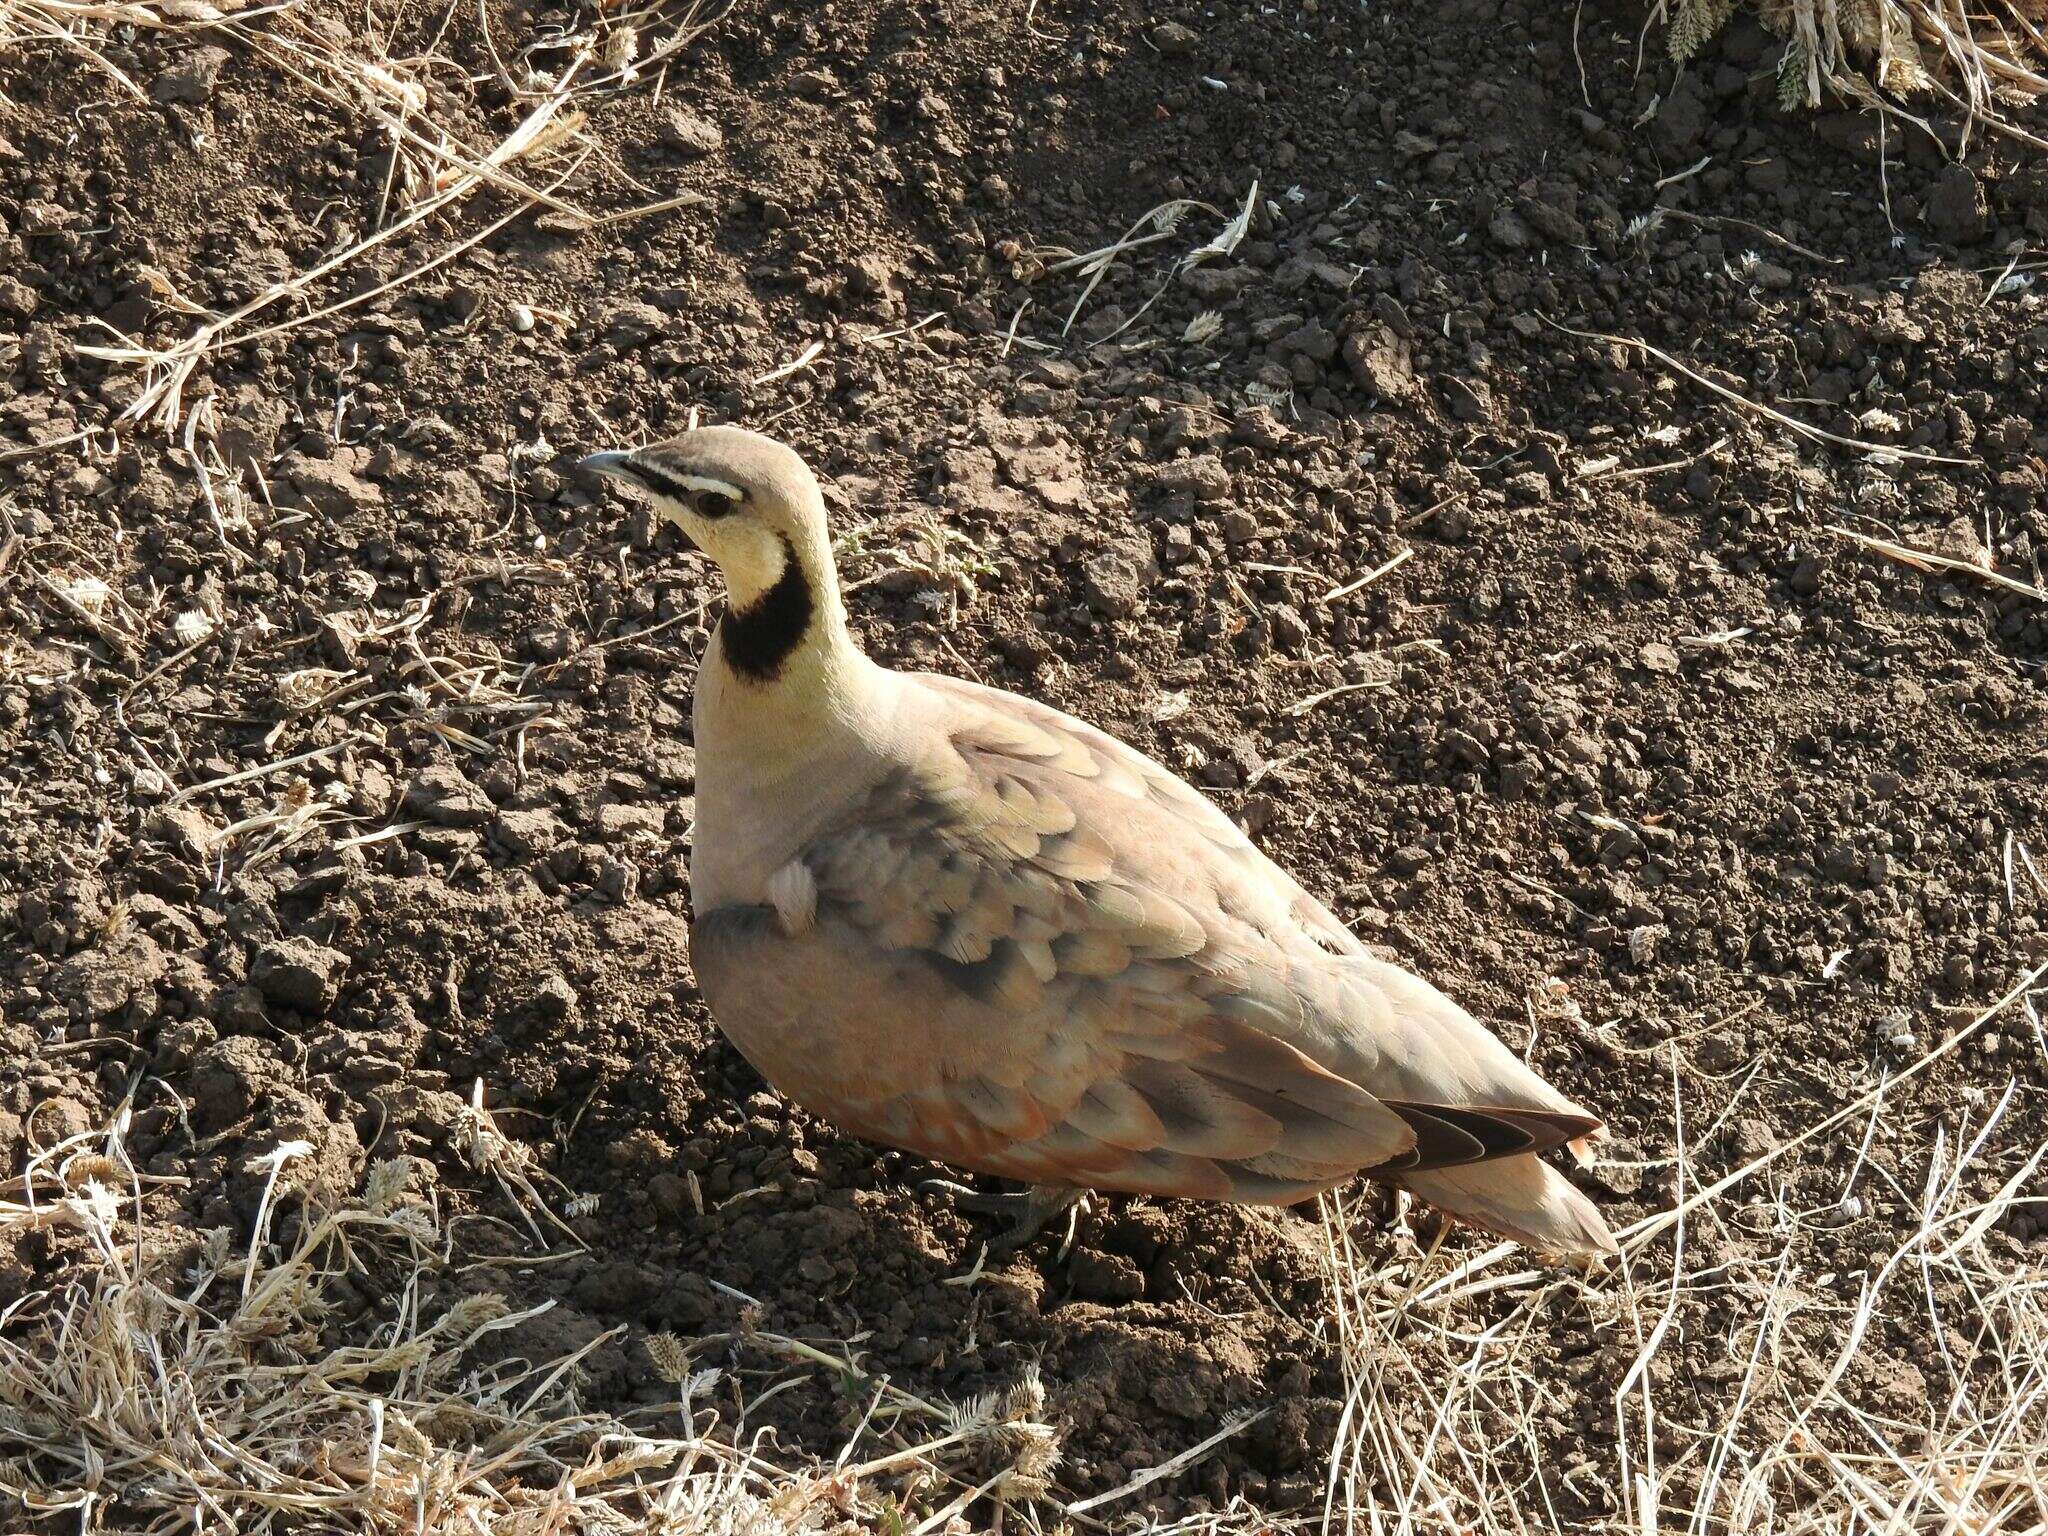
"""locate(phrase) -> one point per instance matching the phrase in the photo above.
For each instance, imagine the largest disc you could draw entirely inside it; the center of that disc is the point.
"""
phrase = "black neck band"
(761, 637)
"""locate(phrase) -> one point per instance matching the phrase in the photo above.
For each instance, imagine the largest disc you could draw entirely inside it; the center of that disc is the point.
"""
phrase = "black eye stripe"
(660, 480)
(705, 503)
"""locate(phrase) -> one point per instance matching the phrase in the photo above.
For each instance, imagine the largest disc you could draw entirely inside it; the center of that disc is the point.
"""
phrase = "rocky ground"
(347, 756)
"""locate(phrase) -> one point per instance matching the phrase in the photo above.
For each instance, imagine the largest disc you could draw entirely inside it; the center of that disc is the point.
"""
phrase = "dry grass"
(1983, 61)
(1158, 224)
(434, 171)
(142, 1394)
(1797, 1425)
(168, 1383)
(218, 1386)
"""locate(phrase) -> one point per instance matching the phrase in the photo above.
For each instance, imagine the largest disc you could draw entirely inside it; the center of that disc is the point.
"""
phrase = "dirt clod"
(298, 974)
(690, 133)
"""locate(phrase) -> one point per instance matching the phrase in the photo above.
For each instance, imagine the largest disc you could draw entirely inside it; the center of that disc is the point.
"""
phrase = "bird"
(960, 922)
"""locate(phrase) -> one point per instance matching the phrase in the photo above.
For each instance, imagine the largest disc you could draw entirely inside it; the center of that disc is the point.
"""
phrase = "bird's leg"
(1027, 1210)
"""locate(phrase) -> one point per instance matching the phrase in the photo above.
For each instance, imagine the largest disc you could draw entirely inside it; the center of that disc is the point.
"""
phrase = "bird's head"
(747, 501)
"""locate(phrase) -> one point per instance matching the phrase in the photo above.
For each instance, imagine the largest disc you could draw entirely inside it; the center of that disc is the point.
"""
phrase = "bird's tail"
(1518, 1197)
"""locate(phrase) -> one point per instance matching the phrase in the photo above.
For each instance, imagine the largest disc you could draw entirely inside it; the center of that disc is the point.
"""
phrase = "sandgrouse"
(960, 922)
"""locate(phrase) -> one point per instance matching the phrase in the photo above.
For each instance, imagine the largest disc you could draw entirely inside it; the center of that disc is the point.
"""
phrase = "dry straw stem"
(1609, 469)
(1717, 220)
(66, 597)
(76, 26)
(1792, 423)
(1371, 576)
(480, 1143)
(169, 369)
(1651, 1226)
(1156, 224)
(1383, 661)
(1924, 560)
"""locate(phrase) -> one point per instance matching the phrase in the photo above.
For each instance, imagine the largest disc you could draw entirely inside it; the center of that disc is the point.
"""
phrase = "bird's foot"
(1027, 1210)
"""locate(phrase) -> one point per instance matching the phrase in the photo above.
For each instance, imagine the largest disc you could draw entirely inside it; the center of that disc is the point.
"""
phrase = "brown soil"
(1639, 757)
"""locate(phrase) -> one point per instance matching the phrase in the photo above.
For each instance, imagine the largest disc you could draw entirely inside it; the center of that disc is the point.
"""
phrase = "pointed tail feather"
(1520, 1198)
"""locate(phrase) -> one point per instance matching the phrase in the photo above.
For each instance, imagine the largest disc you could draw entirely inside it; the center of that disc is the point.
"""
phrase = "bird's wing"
(1464, 1094)
(1047, 735)
(1034, 952)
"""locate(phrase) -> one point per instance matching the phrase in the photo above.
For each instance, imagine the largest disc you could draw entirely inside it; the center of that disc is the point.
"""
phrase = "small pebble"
(522, 319)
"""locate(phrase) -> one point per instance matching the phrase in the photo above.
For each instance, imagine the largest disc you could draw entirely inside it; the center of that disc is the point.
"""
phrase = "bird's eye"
(713, 504)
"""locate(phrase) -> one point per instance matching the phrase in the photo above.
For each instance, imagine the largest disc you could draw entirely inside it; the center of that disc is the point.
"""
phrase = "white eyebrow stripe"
(708, 483)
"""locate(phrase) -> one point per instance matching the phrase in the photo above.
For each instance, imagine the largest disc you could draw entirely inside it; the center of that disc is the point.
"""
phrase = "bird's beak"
(612, 464)
(617, 464)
